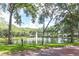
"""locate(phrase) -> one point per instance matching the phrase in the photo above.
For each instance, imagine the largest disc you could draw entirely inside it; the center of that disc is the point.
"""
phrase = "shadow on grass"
(13, 49)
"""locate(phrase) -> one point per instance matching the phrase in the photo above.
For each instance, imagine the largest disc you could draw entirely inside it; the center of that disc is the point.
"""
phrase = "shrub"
(75, 44)
(56, 45)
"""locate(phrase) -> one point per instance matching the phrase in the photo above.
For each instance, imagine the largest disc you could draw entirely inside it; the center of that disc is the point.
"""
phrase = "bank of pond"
(19, 47)
(35, 44)
(38, 40)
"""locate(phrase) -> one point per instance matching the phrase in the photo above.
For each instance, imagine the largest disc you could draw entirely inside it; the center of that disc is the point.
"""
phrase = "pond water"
(39, 40)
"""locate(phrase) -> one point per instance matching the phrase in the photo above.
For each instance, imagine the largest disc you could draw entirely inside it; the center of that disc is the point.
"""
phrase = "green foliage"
(19, 47)
(6, 47)
(56, 45)
(16, 32)
(3, 40)
(76, 44)
(35, 47)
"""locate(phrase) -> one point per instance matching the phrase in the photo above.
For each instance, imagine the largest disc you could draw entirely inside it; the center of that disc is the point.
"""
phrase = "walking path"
(65, 51)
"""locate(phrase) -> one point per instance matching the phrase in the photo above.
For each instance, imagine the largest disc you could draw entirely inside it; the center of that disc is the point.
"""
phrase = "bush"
(75, 44)
(56, 45)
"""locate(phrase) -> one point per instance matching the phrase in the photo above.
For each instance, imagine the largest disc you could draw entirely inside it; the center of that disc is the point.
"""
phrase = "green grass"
(6, 47)
(56, 45)
(18, 47)
(76, 44)
(26, 47)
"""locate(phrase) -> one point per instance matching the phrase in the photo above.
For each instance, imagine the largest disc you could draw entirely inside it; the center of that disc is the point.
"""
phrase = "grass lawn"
(19, 47)
(10, 49)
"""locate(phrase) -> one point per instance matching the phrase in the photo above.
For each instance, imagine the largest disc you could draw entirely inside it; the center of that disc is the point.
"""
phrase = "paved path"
(66, 51)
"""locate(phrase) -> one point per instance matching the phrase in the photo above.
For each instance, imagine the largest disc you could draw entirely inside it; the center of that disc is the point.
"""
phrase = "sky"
(26, 21)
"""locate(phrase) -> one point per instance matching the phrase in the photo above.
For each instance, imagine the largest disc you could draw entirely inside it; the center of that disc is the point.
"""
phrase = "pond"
(45, 40)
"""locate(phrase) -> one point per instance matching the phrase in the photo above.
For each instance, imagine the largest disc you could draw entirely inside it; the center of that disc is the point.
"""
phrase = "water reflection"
(46, 40)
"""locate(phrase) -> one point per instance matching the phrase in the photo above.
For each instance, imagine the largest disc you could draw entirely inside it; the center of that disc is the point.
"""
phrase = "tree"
(64, 11)
(70, 19)
(13, 8)
(47, 11)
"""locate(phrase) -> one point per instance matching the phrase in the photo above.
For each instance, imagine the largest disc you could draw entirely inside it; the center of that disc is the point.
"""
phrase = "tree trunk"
(9, 35)
(43, 34)
(71, 25)
(11, 8)
(78, 29)
(62, 37)
(72, 38)
(78, 34)
(47, 37)
(72, 34)
(48, 23)
(44, 29)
